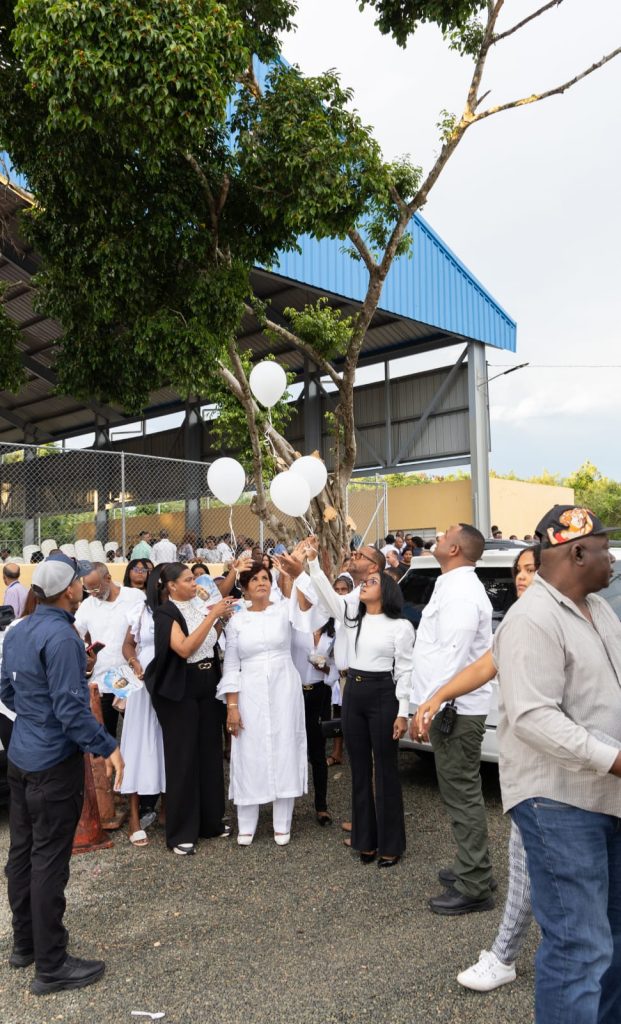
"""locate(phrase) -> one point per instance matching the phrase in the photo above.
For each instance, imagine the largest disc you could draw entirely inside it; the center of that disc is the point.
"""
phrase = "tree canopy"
(156, 191)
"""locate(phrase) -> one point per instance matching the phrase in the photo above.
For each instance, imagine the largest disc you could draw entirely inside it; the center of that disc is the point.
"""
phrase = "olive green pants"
(458, 758)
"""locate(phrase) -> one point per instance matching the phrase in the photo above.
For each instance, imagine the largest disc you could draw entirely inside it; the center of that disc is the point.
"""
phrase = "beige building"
(516, 506)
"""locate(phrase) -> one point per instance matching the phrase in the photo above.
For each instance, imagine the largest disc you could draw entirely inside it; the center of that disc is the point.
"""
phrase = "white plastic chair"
(97, 551)
(68, 549)
(28, 551)
(47, 546)
(83, 550)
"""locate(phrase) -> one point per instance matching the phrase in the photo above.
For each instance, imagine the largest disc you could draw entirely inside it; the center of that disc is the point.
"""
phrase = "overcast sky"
(529, 202)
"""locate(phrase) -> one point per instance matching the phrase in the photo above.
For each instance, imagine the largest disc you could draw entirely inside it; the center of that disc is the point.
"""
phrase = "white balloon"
(268, 382)
(226, 480)
(290, 493)
(312, 470)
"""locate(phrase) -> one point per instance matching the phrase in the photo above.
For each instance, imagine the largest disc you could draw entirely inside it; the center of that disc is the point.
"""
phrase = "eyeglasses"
(361, 554)
(372, 581)
(140, 570)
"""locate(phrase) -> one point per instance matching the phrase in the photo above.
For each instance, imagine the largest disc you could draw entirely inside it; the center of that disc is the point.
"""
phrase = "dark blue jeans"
(574, 862)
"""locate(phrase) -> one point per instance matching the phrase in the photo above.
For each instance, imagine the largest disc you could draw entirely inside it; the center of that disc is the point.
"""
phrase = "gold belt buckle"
(203, 665)
(307, 686)
(358, 679)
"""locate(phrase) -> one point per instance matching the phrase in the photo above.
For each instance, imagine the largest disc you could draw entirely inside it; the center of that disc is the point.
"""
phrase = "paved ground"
(266, 935)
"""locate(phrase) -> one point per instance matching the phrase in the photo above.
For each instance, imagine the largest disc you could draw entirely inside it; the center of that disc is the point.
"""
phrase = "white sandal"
(139, 838)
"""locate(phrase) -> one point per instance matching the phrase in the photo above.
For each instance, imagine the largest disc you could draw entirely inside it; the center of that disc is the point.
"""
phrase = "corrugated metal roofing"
(432, 286)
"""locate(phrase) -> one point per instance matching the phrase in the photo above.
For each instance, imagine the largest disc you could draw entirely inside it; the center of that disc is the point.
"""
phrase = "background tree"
(156, 195)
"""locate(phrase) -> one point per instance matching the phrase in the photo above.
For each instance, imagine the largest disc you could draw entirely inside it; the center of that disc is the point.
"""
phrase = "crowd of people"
(254, 666)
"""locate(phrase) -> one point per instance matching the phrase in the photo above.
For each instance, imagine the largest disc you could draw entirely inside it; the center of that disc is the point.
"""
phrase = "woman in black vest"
(182, 681)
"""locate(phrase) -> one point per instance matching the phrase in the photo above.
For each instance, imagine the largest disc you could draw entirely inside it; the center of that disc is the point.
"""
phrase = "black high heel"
(323, 818)
(368, 858)
(388, 862)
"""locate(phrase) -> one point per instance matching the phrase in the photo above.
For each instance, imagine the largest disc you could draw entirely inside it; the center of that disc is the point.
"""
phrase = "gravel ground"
(303, 934)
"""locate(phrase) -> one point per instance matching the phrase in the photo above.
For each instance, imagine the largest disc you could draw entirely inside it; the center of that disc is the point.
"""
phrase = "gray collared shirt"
(559, 728)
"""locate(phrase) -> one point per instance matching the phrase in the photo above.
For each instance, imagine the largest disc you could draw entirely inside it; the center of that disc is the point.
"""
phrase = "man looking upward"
(455, 629)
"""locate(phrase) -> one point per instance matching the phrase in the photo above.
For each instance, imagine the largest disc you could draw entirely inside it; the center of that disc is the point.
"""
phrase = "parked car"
(495, 572)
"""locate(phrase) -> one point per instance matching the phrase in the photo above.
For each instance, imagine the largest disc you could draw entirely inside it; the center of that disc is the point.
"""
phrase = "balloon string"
(232, 533)
(267, 435)
(307, 525)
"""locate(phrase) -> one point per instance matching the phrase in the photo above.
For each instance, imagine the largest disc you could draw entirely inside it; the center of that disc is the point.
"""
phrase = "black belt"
(357, 676)
(311, 686)
(202, 666)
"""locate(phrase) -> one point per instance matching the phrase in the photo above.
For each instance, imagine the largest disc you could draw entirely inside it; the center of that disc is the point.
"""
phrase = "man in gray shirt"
(15, 593)
(558, 654)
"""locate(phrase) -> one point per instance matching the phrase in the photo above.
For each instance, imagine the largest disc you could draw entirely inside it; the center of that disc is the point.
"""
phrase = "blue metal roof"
(432, 286)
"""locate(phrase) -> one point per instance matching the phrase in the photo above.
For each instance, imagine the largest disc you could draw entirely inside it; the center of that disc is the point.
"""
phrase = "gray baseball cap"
(55, 574)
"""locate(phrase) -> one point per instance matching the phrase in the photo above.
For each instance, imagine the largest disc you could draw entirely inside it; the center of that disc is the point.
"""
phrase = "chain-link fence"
(50, 496)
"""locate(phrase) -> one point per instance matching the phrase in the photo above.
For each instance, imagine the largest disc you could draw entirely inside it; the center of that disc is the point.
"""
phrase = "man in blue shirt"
(43, 680)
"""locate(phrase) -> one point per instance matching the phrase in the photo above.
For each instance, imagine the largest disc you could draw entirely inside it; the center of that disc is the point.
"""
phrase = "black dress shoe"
(388, 862)
(367, 858)
(74, 973)
(448, 877)
(21, 957)
(451, 903)
(323, 818)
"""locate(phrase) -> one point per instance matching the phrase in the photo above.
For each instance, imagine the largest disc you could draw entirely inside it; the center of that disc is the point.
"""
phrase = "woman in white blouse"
(265, 710)
(375, 707)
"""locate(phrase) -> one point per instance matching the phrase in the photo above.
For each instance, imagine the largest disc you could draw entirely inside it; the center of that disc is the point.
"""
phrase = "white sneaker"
(244, 839)
(488, 973)
(282, 838)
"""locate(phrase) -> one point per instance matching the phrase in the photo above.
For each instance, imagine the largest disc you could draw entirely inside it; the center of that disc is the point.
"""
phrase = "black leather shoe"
(367, 858)
(323, 818)
(448, 877)
(451, 903)
(74, 973)
(21, 957)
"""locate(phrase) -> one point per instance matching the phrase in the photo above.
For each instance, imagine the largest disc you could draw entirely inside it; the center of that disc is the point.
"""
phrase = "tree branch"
(292, 339)
(525, 21)
(556, 91)
(365, 254)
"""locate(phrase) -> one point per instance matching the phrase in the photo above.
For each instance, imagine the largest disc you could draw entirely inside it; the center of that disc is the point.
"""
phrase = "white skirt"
(142, 747)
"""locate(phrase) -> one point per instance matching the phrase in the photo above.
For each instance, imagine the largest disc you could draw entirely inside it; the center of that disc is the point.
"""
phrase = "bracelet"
(231, 706)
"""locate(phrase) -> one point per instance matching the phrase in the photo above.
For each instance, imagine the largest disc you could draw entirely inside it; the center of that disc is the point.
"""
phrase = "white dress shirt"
(455, 629)
(107, 622)
(164, 551)
(383, 645)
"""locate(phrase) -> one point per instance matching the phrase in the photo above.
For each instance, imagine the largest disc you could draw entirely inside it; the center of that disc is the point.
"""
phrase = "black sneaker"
(74, 973)
(452, 903)
(21, 957)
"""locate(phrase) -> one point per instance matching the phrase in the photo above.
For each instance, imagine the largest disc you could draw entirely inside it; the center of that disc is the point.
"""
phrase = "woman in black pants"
(182, 681)
(380, 644)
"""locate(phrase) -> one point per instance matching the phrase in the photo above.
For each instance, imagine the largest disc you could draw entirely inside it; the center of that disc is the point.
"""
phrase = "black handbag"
(331, 728)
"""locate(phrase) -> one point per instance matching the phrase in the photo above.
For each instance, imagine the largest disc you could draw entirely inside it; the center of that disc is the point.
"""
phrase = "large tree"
(163, 170)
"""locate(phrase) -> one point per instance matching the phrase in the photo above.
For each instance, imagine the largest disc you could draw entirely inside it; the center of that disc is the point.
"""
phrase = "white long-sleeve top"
(383, 645)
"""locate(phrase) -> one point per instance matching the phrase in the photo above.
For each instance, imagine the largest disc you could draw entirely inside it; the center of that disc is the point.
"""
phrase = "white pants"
(282, 813)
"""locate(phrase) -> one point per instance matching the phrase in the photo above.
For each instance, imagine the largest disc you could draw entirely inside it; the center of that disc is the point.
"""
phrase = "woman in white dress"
(265, 710)
(141, 740)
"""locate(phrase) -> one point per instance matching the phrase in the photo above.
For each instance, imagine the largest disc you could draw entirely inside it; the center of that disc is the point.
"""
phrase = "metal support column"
(312, 409)
(192, 451)
(31, 491)
(479, 436)
(102, 482)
